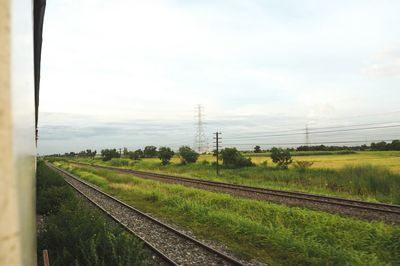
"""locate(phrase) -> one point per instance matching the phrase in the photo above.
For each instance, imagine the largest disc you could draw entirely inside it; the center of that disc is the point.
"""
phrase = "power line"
(314, 132)
(307, 135)
(322, 128)
(314, 143)
(367, 115)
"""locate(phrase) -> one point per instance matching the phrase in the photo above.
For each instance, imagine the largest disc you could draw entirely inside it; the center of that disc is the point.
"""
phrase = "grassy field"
(365, 175)
(272, 233)
(332, 160)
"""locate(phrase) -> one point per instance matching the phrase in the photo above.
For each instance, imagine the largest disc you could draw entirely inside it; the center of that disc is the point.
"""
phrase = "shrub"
(281, 157)
(303, 165)
(188, 155)
(51, 190)
(165, 154)
(50, 199)
(133, 163)
(136, 155)
(119, 162)
(205, 162)
(231, 157)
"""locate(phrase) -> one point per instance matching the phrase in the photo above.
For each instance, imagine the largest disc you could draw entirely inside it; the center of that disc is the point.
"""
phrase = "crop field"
(331, 160)
(271, 233)
(323, 160)
(367, 176)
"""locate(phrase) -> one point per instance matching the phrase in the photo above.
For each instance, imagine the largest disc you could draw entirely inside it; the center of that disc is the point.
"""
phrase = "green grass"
(363, 182)
(272, 233)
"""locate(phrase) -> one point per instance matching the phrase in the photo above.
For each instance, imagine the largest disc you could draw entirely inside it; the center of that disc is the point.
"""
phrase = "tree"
(108, 154)
(70, 154)
(87, 153)
(281, 157)
(257, 149)
(136, 155)
(231, 157)
(380, 146)
(363, 147)
(150, 152)
(188, 155)
(125, 152)
(165, 154)
(395, 145)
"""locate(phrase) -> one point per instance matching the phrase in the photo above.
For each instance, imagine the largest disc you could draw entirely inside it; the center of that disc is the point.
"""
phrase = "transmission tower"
(200, 142)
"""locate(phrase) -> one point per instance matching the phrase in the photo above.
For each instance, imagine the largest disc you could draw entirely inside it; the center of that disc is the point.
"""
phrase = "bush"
(119, 162)
(51, 198)
(232, 158)
(281, 157)
(165, 154)
(51, 190)
(303, 165)
(136, 155)
(188, 155)
(205, 162)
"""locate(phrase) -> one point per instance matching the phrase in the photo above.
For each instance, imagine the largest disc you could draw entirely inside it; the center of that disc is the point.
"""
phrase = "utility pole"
(307, 136)
(217, 139)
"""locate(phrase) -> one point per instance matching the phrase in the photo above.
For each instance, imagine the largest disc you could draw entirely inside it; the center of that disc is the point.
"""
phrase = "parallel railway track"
(362, 209)
(171, 245)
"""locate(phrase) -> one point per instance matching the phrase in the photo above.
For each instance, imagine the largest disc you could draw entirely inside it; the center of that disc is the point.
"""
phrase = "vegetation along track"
(174, 247)
(362, 209)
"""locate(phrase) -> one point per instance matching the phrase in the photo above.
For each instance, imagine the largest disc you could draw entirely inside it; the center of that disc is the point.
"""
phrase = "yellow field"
(389, 159)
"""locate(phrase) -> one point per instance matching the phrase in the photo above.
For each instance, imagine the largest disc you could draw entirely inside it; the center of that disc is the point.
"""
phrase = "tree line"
(152, 152)
(186, 154)
(379, 146)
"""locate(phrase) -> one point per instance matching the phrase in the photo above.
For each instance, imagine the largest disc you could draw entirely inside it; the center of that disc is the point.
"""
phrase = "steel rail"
(169, 228)
(364, 205)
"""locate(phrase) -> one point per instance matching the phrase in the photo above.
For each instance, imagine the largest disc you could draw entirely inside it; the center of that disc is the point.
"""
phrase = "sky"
(129, 73)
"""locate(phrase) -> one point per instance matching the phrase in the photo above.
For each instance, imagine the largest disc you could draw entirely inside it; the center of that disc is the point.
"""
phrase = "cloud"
(385, 64)
(136, 76)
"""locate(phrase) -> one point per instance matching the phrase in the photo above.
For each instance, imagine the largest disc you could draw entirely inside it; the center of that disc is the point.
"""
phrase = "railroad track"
(362, 209)
(171, 245)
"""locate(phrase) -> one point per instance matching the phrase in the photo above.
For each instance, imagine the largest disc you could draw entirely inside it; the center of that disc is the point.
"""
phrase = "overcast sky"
(130, 73)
